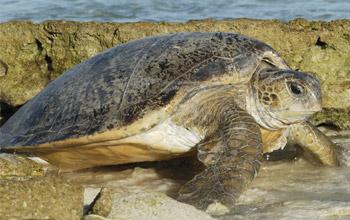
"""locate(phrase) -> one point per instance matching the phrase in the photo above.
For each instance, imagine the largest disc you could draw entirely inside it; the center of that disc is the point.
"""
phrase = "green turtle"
(224, 96)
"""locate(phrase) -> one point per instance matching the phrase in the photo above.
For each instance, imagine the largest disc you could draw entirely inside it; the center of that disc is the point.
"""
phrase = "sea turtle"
(223, 95)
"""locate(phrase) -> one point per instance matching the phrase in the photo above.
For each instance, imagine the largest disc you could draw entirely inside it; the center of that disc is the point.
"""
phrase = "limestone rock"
(103, 202)
(12, 166)
(47, 197)
(28, 192)
(94, 217)
(146, 205)
(3, 68)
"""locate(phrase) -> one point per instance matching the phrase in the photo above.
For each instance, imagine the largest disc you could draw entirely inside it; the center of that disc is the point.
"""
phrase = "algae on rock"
(28, 192)
(48, 197)
(15, 166)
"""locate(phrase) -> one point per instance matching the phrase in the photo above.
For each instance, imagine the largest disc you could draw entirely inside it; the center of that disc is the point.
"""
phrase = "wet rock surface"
(296, 191)
(144, 205)
(36, 54)
(286, 189)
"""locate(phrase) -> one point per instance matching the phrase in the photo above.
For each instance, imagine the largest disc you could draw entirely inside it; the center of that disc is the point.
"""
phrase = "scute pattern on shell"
(117, 87)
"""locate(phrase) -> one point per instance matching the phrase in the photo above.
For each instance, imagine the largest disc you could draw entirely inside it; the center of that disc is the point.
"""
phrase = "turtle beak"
(316, 108)
(313, 109)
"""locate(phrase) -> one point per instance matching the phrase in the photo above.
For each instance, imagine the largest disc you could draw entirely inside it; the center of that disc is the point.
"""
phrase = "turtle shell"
(113, 89)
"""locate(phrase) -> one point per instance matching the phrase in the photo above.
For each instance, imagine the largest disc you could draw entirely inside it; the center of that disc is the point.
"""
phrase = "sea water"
(170, 10)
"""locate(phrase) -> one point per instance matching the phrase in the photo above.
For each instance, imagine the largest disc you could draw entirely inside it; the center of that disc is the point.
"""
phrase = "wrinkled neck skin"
(266, 119)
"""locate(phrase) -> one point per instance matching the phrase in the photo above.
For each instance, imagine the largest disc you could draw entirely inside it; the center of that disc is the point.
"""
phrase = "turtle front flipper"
(312, 140)
(232, 156)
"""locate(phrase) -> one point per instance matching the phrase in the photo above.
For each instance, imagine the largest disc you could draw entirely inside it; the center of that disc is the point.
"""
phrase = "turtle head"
(285, 97)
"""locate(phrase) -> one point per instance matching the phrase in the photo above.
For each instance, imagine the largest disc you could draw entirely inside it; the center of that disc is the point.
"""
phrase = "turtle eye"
(296, 88)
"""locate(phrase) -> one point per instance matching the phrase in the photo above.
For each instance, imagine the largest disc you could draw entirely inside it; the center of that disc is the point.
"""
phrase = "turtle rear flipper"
(232, 157)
